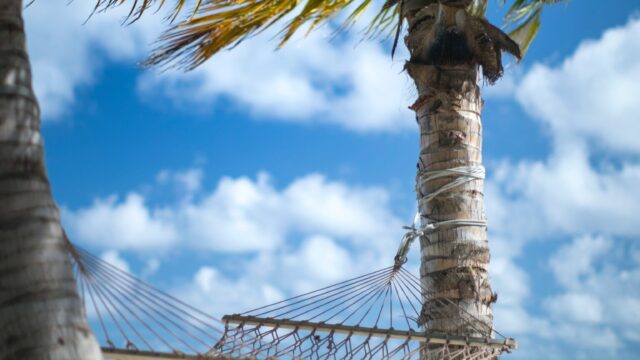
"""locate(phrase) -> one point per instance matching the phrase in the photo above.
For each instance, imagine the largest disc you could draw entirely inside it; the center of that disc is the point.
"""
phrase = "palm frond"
(523, 18)
(220, 24)
(139, 7)
(213, 25)
(478, 8)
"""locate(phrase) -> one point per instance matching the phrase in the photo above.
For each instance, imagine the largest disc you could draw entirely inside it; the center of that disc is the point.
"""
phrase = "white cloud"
(318, 261)
(245, 215)
(273, 276)
(569, 193)
(214, 292)
(588, 103)
(350, 83)
(241, 215)
(311, 79)
(311, 233)
(578, 307)
(597, 300)
(593, 94)
(575, 261)
(121, 225)
(603, 342)
(151, 267)
(347, 211)
(599, 290)
(510, 281)
(187, 182)
(66, 53)
(114, 258)
(514, 320)
(506, 86)
(565, 194)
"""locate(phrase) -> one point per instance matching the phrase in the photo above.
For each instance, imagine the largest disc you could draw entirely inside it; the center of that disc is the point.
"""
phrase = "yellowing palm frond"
(138, 7)
(219, 24)
(478, 8)
(523, 17)
(213, 25)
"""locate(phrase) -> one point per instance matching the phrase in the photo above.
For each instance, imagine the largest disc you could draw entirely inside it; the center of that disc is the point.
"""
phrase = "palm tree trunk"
(41, 315)
(454, 259)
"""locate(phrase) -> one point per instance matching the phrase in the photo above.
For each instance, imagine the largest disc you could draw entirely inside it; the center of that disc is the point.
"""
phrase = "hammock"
(374, 316)
(134, 320)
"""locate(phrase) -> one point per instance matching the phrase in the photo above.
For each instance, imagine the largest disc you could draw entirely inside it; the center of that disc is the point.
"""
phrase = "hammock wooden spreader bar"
(374, 316)
(423, 337)
(122, 354)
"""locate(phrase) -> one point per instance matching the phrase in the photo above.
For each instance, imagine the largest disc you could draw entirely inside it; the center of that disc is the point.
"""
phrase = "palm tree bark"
(41, 315)
(454, 259)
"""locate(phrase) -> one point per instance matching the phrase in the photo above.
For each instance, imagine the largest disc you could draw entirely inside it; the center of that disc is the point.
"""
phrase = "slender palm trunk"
(454, 259)
(41, 315)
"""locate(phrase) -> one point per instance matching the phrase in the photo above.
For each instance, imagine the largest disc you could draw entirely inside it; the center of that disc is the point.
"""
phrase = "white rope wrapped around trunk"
(460, 176)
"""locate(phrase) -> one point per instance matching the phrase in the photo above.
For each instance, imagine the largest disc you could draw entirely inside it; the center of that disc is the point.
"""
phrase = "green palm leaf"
(523, 17)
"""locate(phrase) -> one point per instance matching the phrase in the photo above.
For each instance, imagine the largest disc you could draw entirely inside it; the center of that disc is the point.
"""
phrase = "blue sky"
(266, 173)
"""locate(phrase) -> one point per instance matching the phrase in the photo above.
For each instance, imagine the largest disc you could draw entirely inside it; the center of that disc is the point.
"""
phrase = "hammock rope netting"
(129, 316)
(374, 316)
(379, 315)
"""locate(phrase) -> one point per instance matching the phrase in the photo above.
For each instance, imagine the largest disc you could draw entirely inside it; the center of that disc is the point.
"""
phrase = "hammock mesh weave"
(373, 316)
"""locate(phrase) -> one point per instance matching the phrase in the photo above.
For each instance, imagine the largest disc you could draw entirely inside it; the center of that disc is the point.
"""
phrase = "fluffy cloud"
(320, 260)
(573, 262)
(188, 181)
(577, 307)
(593, 94)
(312, 79)
(66, 52)
(239, 215)
(511, 282)
(274, 276)
(212, 291)
(587, 185)
(566, 194)
(242, 214)
(113, 258)
(601, 289)
(311, 233)
(361, 213)
(127, 224)
(344, 82)
(597, 300)
(151, 266)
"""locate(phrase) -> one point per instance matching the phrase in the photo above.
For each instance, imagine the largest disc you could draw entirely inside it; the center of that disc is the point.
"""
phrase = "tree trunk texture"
(454, 260)
(41, 315)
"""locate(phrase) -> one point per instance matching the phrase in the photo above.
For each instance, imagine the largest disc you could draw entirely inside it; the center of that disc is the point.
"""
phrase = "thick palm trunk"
(454, 257)
(41, 315)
